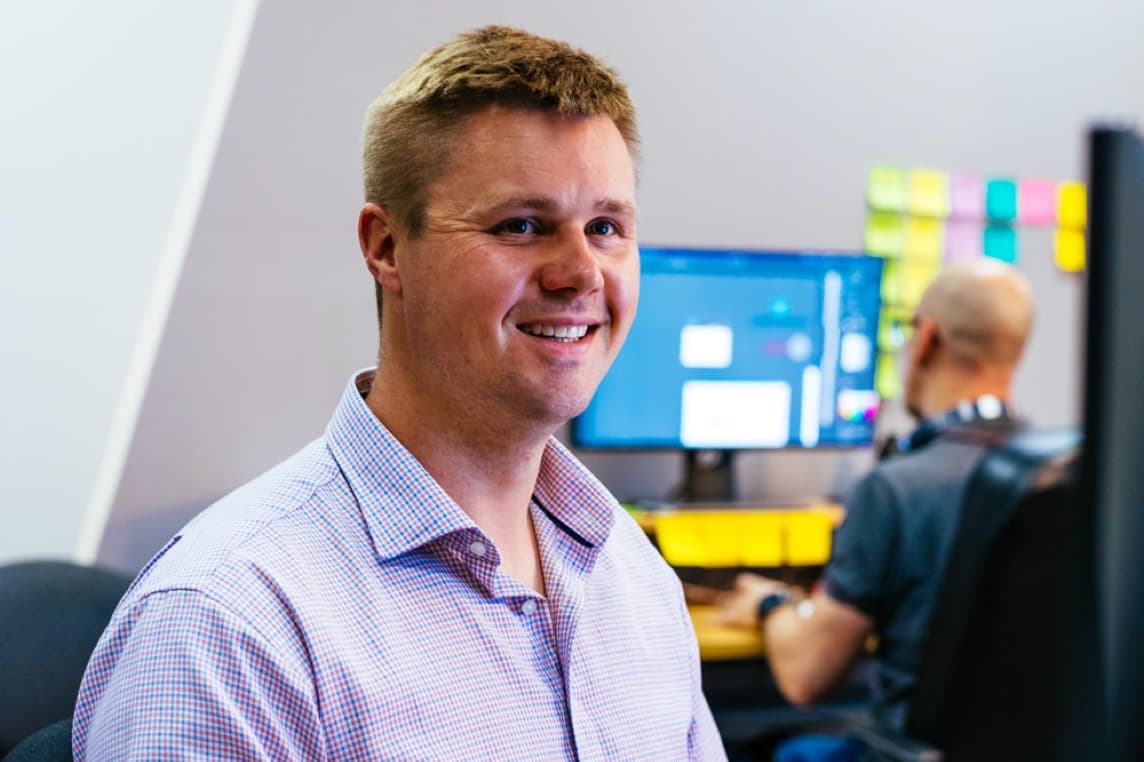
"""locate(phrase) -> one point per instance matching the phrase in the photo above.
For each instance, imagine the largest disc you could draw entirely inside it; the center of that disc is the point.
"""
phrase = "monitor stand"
(709, 476)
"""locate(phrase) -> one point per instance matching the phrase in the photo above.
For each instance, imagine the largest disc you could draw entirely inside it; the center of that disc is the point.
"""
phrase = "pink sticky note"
(963, 240)
(1037, 202)
(966, 197)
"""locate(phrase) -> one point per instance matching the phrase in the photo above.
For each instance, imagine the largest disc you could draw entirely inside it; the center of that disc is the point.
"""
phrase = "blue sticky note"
(1001, 243)
(1001, 200)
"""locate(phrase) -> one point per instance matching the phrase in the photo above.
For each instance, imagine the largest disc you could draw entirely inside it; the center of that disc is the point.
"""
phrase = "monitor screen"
(735, 350)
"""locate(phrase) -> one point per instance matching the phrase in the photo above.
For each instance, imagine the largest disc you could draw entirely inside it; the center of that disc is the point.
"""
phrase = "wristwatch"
(770, 602)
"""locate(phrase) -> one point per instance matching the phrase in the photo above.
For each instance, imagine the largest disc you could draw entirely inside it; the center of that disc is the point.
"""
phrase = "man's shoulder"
(268, 527)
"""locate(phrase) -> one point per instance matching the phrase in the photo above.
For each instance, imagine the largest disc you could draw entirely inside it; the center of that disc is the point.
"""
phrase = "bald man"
(887, 562)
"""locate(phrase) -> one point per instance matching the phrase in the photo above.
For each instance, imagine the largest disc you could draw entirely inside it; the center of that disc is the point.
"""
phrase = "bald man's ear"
(376, 230)
(926, 341)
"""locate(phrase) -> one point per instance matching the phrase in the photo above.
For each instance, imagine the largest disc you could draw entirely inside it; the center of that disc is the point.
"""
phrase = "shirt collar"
(405, 508)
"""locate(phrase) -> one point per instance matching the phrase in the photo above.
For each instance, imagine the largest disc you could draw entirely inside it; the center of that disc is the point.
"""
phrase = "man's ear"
(925, 342)
(376, 231)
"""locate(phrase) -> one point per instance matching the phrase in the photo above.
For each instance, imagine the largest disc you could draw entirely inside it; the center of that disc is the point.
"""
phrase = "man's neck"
(942, 397)
(490, 472)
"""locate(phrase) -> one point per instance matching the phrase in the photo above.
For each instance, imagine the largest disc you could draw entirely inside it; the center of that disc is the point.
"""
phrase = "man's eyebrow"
(545, 204)
(615, 206)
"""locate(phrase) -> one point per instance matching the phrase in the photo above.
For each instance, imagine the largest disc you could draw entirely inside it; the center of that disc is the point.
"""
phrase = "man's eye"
(602, 227)
(517, 227)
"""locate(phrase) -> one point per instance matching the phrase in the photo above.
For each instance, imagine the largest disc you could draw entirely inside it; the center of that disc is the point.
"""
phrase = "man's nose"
(573, 264)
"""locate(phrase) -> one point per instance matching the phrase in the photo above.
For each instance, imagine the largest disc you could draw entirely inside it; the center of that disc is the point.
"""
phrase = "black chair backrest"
(51, 616)
(992, 669)
(49, 744)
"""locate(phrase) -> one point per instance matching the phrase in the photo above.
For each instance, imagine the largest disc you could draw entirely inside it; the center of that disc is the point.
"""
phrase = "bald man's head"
(983, 309)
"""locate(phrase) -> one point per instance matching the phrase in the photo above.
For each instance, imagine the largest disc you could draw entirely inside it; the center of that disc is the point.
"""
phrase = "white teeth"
(563, 333)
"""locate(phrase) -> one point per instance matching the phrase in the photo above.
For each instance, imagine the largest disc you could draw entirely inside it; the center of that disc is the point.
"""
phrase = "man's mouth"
(567, 334)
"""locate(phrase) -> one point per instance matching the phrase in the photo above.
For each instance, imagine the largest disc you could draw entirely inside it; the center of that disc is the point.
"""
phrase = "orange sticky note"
(1068, 250)
(1072, 209)
(929, 193)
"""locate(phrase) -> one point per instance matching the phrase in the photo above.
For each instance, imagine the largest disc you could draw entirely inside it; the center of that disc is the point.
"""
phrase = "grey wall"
(105, 124)
(760, 121)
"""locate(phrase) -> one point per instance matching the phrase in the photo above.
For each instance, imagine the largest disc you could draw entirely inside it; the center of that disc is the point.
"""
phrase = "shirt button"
(477, 549)
(528, 608)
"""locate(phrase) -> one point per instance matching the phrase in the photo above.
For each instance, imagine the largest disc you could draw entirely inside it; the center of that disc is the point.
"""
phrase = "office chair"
(52, 613)
(48, 744)
(991, 680)
(993, 672)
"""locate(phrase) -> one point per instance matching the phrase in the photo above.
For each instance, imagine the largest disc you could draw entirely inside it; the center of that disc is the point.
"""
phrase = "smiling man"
(437, 577)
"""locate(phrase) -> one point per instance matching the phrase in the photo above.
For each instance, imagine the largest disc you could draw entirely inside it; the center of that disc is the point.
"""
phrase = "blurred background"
(182, 298)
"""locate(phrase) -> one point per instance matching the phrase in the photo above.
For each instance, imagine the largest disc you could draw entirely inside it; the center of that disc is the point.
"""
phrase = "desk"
(718, 642)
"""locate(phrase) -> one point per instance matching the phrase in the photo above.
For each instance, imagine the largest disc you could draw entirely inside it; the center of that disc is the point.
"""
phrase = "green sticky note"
(887, 378)
(885, 234)
(894, 328)
(892, 284)
(886, 189)
(1001, 200)
(929, 193)
(1001, 243)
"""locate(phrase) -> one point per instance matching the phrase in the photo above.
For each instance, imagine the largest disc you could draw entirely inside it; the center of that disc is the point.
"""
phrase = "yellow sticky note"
(886, 189)
(885, 234)
(1072, 211)
(894, 328)
(916, 277)
(1068, 250)
(892, 284)
(928, 193)
(887, 379)
(924, 238)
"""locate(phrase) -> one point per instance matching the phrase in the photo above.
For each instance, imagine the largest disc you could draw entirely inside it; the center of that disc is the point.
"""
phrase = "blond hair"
(411, 128)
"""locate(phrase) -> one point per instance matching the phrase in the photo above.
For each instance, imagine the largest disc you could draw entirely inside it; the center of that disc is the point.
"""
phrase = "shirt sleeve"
(181, 676)
(861, 564)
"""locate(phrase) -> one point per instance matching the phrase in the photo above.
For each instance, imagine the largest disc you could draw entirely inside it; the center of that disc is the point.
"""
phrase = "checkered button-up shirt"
(342, 606)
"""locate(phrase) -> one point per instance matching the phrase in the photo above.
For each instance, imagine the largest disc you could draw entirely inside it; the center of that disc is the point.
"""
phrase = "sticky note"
(928, 193)
(963, 240)
(886, 189)
(1001, 200)
(1001, 243)
(892, 283)
(1072, 210)
(894, 328)
(887, 379)
(923, 239)
(966, 197)
(885, 234)
(1068, 250)
(916, 277)
(1037, 202)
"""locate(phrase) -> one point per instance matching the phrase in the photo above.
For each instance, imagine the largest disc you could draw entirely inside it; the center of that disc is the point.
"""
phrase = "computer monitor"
(734, 350)
(1112, 480)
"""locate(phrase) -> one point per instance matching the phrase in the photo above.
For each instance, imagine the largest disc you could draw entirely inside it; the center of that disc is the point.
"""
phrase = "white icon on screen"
(705, 346)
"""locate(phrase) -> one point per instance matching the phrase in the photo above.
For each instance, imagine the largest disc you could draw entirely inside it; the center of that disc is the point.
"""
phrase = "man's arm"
(810, 643)
(181, 676)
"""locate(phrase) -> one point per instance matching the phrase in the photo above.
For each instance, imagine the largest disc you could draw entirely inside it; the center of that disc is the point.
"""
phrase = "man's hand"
(740, 607)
